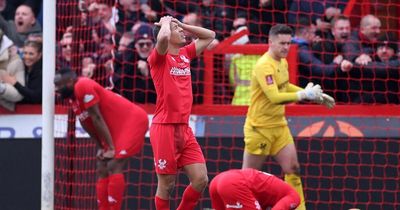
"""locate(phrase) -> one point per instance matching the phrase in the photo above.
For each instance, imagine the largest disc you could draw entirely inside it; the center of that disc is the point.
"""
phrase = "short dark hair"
(280, 29)
(340, 17)
(156, 30)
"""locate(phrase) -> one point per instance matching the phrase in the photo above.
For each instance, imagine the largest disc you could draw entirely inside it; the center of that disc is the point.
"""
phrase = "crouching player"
(117, 125)
(251, 189)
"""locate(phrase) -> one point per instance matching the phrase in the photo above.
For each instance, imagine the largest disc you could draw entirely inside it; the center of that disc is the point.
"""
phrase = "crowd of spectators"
(110, 41)
(20, 52)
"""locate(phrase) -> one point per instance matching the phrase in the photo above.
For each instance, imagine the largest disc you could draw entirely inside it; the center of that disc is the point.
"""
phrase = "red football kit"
(126, 121)
(172, 140)
(251, 189)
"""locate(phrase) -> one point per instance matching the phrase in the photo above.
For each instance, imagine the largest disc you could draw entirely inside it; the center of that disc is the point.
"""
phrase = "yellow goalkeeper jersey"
(270, 90)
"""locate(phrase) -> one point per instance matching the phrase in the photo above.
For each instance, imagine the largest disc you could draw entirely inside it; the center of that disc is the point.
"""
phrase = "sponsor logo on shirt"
(269, 80)
(234, 206)
(123, 152)
(87, 98)
(180, 72)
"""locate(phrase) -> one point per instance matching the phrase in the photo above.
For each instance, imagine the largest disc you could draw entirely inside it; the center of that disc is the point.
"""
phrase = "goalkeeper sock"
(190, 199)
(295, 181)
(116, 187)
(102, 193)
(161, 204)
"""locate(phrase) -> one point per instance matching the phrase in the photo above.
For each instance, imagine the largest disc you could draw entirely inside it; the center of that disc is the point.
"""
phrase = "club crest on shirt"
(87, 98)
(269, 80)
(162, 163)
(186, 60)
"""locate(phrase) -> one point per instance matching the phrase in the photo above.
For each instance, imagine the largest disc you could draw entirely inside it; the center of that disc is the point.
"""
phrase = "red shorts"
(130, 140)
(250, 189)
(174, 146)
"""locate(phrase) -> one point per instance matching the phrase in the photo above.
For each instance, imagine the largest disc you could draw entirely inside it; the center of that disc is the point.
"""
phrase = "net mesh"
(107, 41)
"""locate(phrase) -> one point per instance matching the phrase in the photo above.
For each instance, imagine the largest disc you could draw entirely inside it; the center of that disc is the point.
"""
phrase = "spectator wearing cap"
(380, 78)
(24, 23)
(132, 77)
(10, 64)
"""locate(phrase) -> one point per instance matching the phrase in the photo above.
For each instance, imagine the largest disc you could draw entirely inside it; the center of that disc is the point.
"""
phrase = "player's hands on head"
(164, 20)
(311, 92)
(109, 154)
(174, 20)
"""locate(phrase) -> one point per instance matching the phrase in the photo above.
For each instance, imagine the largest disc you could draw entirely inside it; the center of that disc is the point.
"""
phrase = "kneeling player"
(117, 125)
(251, 189)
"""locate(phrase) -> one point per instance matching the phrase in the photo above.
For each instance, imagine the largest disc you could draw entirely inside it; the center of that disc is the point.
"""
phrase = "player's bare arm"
(102, 129)
(164, 35)
(205, 36)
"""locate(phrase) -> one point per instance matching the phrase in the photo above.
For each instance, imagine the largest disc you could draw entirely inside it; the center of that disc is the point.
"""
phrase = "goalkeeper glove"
(326, 100)
(311, 92)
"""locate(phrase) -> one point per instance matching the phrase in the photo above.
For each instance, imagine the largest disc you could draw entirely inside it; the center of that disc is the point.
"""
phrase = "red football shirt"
(266, 188)
(173, 83)
(122, 117)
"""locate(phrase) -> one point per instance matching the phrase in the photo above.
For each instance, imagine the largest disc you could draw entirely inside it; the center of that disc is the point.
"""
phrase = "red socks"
(161, 204)
(102, 193)
(116, 188)
(190, 199)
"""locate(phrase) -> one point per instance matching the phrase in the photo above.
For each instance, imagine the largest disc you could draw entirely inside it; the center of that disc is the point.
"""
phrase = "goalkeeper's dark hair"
(280, 29)
(66, 72)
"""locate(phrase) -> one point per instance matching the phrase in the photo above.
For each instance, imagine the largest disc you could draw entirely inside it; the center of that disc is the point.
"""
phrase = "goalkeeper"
(266, 131)
(117, 125)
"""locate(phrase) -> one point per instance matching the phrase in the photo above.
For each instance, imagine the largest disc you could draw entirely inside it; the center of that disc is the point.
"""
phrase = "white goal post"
(49, 66)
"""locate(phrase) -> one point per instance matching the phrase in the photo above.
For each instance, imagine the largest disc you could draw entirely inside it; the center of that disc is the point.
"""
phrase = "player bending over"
(251, 189)
(117, 125)
(173, 143)
(266, 131)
